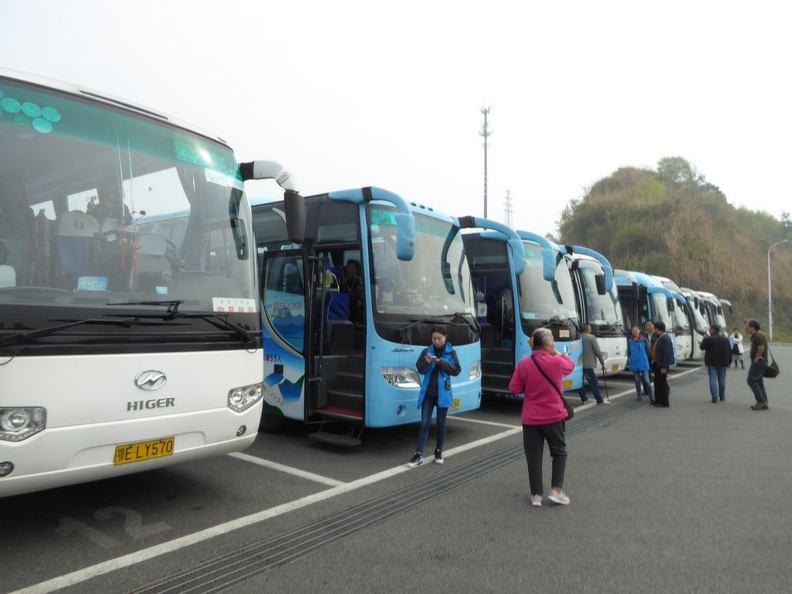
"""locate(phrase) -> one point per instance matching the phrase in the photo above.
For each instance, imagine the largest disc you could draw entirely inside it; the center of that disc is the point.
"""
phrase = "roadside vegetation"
(672, 222)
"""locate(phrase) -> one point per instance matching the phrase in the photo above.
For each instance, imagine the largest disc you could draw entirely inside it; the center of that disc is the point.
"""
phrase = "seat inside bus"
(77, 244)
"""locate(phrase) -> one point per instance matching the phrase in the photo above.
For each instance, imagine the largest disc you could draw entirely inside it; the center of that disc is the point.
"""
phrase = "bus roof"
(105, 98)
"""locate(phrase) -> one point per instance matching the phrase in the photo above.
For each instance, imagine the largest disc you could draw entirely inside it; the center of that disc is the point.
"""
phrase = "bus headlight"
(19, 423)
(475, 371)
(242, 398)
(401, 377)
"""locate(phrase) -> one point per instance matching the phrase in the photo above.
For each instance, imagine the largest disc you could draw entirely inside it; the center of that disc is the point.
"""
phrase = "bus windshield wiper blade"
(23, 337)
(173, 306)
(472, 322)
(173, 313)
(215, 320)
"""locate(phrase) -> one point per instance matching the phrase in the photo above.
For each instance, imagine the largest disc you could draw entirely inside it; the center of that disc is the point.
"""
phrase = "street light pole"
(770, 290)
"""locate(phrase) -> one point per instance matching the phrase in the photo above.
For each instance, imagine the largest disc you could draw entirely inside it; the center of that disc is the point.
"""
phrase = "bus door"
(337, 340)
(285, 326)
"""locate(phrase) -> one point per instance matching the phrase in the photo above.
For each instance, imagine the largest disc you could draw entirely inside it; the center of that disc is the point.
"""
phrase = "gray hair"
(541, 338)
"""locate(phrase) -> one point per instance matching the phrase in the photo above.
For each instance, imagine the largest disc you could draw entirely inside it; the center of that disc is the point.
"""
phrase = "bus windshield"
(604, 313)
(543, 302)
(75, 178)
(660, 309)
(701, 323)
(681, 322)
(435, 283)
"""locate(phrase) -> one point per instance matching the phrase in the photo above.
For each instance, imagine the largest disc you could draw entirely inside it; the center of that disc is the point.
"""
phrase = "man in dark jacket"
(717, 357)
(663, 360)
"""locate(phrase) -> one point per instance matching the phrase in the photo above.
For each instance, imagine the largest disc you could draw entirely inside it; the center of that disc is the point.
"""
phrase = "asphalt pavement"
(693, 498)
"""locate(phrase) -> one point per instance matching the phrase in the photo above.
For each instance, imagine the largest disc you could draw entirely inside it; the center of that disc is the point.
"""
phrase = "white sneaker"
(558, 497)
(536, 500)
(604, 402)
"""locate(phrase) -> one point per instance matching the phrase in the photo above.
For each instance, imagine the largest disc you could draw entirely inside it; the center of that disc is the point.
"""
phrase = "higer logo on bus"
(150, 380)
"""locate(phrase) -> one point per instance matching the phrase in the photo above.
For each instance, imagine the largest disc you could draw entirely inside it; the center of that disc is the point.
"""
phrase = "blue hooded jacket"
(449, 365)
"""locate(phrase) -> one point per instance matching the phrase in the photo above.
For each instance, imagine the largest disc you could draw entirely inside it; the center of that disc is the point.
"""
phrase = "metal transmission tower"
(486, 133)
(507, 210)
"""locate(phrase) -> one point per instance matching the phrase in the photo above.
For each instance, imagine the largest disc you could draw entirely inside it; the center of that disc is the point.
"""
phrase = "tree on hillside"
(786, 223)
(678, 170)
(672, 222)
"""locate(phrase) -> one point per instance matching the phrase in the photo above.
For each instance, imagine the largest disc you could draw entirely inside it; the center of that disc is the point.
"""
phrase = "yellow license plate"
(567, 384)
(615, 368)
(143, 450)
(455, 405)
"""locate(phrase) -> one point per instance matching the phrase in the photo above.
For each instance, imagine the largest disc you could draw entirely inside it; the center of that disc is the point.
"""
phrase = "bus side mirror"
(405, 236)
(518, 254)
(447, 279)
(599, 280)
(548, 264)
(294, 209)
(240, 238)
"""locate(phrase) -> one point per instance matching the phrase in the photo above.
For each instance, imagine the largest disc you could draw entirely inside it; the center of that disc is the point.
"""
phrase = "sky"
(349, 93)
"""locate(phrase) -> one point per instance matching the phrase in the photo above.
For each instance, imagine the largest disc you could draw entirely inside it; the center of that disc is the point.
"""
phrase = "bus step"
(496, 382)
(343, 440)
(336, 412)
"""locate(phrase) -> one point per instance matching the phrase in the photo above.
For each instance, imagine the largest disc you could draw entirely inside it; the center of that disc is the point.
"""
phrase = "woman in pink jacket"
(543, 412)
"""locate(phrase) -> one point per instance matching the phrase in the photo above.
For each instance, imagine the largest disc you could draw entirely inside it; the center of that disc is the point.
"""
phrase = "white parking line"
(491, 423)
(627, 391)
(337, 488)
(105, 567)
(317, 478)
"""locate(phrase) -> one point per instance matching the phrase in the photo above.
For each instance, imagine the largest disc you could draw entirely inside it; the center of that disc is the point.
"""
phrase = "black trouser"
(661, 388)
(534, 437)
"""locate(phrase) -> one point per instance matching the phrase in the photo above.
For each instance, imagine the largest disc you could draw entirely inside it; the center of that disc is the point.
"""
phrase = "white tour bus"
(120, 351)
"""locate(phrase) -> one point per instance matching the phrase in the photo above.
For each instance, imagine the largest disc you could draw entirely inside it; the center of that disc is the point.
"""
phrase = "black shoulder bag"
(772, 367)
(569, 408)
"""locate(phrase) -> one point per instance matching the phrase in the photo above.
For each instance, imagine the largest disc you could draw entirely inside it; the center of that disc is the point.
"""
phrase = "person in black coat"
(717, 357)
(663, 358)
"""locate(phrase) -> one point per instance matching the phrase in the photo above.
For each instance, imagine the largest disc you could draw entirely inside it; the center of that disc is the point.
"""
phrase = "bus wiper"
(23, 337)
(173, 313)
(404, 330)
(217, 321)
(173, 306)
(559, 321)
(442, 320)
(463, 315)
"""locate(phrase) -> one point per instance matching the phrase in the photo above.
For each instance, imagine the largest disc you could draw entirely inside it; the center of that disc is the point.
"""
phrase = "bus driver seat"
(77, 244)
(152, 269)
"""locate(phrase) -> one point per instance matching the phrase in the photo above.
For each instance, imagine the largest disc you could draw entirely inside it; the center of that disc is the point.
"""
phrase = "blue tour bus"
(515, 302)
(644, 298)
(346, 360)
(687, 325)
(597, 299)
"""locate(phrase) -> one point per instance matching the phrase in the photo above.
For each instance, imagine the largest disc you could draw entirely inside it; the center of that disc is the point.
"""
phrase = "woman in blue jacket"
(437, 364)
(638, 354)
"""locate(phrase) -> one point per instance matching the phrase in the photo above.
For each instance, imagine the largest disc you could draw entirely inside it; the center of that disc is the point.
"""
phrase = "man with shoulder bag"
(758, 366)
